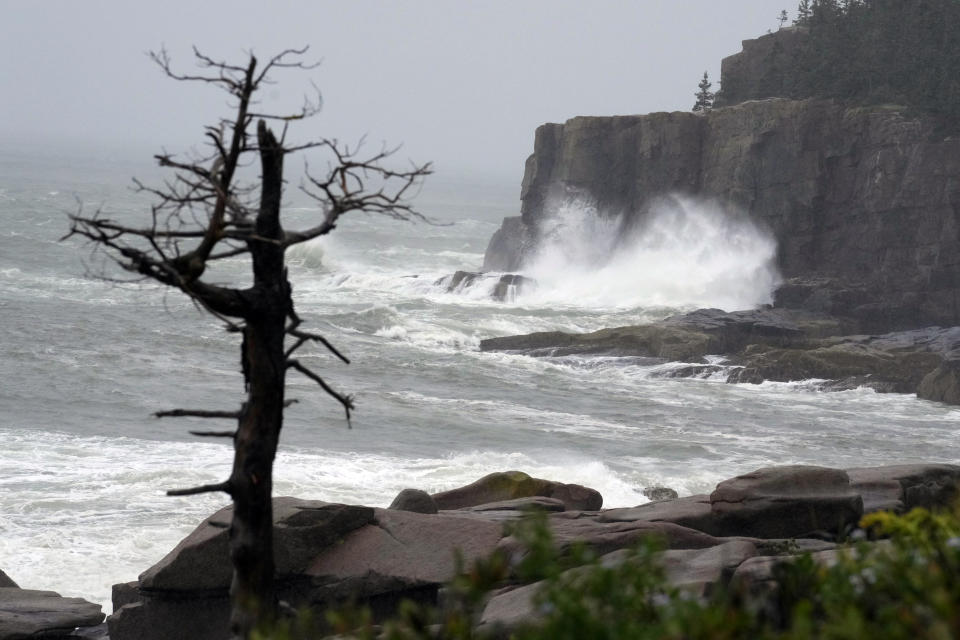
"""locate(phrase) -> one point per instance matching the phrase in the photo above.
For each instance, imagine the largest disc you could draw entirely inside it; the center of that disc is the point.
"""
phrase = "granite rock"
(415, 500)
(302, 529)
(786, 502)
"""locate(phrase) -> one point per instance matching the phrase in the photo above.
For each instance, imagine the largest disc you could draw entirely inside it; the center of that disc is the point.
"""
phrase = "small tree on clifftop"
(704, 95)
(206, 213)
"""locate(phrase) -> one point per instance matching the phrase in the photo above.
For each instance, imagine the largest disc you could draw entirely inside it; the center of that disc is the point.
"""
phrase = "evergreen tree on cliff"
(879, 52)
(704, 95)
(208, 212)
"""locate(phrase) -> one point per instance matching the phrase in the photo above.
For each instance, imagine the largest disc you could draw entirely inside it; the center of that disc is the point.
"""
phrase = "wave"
(686, 253)
(82, 513)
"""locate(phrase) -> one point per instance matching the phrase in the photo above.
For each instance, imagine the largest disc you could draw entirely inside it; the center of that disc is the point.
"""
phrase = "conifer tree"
(783, 17)
(704, 95)
(803, 12)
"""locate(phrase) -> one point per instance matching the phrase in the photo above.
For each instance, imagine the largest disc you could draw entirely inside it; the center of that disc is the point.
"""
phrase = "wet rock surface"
(772, 344)
(502, 287)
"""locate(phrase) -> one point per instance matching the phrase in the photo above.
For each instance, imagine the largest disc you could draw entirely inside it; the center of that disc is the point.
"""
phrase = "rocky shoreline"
(331, 554)
(774, 344)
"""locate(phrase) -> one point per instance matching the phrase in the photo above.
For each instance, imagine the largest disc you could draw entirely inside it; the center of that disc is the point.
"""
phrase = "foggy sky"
(463, 84)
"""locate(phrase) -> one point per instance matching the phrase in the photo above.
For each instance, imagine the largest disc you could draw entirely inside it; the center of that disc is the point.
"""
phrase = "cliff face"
(762, 69)
(864, 202)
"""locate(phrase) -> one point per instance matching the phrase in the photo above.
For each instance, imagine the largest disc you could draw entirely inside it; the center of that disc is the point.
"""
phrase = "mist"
(461, 84)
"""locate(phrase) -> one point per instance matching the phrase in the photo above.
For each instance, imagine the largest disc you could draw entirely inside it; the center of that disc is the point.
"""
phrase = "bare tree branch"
(196, 413)
(304, 337)
(345, 400)
(224, 487)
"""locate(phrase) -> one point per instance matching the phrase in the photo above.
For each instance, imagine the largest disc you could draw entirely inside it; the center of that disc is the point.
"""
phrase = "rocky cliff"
(864, 201)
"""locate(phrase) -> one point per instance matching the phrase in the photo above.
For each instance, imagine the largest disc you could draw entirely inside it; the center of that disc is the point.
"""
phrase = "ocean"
(84, 362)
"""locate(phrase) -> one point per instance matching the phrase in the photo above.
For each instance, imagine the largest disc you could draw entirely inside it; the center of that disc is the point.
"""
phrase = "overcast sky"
(464, 84)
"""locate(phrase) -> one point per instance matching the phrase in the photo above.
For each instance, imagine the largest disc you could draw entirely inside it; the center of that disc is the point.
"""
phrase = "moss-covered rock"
(509, 485)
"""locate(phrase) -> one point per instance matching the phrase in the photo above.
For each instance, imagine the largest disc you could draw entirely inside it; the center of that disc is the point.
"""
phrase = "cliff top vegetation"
(876, 52)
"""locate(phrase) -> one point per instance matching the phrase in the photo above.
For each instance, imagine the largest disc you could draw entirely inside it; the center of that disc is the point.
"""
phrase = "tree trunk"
(252, 592)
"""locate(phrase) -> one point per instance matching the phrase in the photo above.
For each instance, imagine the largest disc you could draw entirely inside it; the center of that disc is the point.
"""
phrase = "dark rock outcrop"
(786, 502)
(503, 287)
(508, 485)
(684, 338)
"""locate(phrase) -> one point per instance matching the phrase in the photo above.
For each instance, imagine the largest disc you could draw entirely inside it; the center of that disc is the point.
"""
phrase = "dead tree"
(208, 212)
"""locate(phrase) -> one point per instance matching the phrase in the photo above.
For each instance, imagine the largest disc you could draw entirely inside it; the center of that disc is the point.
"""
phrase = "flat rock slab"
(786, 502)
(302, 530)
(605, 537)
(401, 549)
(693, 512)
(535, 503)
(25, 613)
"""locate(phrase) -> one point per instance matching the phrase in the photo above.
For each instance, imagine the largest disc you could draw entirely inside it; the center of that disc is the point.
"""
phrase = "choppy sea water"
(84, 362)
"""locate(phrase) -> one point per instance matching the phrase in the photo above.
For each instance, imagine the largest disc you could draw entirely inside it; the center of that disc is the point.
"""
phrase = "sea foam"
(687, 252)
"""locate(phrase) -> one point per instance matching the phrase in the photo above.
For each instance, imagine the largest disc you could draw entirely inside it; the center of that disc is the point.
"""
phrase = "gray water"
(83, 364)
